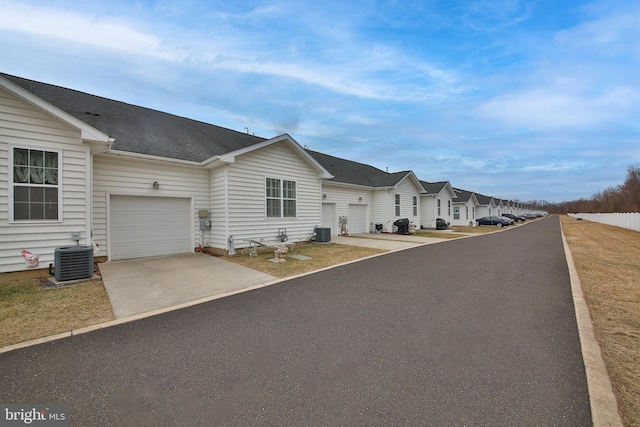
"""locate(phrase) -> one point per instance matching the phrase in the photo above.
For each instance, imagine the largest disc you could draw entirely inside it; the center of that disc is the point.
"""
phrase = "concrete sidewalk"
(389, 242)
(141, 285)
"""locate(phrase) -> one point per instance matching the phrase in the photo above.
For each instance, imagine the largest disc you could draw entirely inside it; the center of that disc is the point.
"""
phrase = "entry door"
(329, 217)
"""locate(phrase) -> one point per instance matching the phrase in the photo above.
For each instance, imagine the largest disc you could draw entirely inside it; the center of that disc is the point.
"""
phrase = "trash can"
(441, 224)
(403, 226)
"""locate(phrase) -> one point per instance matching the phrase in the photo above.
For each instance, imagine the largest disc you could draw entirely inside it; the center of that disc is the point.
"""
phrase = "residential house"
(464, 207)
(486, 206)
(436, 202)
(360, 196)
(138, 182)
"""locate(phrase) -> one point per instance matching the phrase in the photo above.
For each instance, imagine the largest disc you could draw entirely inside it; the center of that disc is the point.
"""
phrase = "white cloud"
(347, 65)
(560, 106)
(84, 29)
(614, 34)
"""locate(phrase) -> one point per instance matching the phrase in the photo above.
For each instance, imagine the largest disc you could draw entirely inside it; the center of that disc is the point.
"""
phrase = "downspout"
(226, 206)
(89, 193)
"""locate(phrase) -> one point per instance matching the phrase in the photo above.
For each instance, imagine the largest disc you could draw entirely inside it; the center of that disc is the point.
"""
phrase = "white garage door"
(149, 226)
(329, 217)
(358, 219)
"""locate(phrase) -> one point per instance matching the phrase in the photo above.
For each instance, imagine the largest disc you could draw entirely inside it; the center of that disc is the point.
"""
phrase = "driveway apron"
(467, 332)
(138, 286)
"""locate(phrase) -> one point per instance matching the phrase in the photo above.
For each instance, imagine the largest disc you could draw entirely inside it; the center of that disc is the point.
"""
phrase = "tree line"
(621, 198)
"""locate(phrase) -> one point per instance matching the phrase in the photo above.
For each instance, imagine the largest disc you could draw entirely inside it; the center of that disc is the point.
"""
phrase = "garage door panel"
(149, 226)
(358, 219)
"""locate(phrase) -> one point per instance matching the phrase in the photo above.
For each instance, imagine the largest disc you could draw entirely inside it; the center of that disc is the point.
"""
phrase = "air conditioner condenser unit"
(73, 262)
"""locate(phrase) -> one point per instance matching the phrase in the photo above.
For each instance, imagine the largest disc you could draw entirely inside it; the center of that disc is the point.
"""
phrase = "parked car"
(498, 221)
(514, 217)
(529, 216)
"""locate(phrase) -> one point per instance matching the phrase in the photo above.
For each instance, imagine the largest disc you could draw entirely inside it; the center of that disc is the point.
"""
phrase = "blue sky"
(515, 99)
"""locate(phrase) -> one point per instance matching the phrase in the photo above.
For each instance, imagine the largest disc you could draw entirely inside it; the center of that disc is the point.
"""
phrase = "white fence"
(630, 220)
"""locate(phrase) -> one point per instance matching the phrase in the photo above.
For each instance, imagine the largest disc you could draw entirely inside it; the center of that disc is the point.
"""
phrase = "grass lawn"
(322, 255)
(607, 259)
(29, 310)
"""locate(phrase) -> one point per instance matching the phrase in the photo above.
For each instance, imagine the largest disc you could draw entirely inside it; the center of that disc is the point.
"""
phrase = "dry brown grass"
(29, 310)
(322, 255)
(608, 263)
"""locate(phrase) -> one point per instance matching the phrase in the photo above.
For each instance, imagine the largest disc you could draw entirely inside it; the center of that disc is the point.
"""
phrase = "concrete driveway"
(142, 285)
(145, 285)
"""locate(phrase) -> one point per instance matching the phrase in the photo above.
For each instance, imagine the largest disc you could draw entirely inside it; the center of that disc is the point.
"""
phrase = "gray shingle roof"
(433, 187)
(142, 130)
(462, 196)
(483, 200)
(350, 172)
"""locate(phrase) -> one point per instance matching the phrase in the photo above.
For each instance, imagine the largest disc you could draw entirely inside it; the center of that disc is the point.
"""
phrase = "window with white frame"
(473, 212)
(467, 212)
(448, 207)
(439, 207)
(415, 206)
(281, 198)
(35, 184)
(397, 205)
(456, 212)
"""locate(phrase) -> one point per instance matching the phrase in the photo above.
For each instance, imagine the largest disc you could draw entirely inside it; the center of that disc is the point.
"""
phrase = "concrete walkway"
(386, 240)
(141, 285)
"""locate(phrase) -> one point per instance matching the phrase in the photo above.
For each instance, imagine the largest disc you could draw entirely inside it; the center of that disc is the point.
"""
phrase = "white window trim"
(397, 199)
(415, 206)
(281, 198)
(10, 206)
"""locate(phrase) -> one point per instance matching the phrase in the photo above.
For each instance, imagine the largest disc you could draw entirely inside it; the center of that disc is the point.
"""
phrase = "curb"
(604, 406)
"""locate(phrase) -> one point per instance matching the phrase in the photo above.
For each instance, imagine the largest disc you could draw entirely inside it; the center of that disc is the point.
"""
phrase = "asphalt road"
(469, 332)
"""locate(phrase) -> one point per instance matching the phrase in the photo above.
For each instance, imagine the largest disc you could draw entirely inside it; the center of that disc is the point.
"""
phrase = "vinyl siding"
(383, 209)
(485, 210)
(407, 190)
(342, 197)
(113, 175)
(219, 231)
(23, 125)
(429, 205)
(247, 197)
(463, 221)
